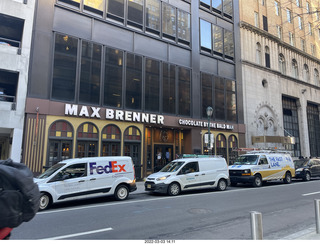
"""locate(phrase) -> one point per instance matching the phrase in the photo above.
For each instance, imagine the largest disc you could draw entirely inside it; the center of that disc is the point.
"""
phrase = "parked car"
(307, 168)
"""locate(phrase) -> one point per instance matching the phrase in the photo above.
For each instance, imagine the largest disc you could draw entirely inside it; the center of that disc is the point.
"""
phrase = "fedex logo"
(111, 167)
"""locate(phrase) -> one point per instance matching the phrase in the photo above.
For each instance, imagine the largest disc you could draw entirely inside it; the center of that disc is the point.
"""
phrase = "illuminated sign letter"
(71, 109)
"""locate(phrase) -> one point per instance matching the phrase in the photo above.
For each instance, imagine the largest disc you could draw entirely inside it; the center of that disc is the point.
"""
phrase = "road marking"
(77, 234)
(311, 193)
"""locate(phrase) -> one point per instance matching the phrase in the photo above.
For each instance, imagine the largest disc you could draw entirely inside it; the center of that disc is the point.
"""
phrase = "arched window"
(207, 149)
(267, 56)
(258, 53)
(232, 149)
(111, 141)
(295, 72)
(87, 140)
(306, 73)
(282, 64)
(60, 142)
(132, 147)
(316, 77)
(221, 142)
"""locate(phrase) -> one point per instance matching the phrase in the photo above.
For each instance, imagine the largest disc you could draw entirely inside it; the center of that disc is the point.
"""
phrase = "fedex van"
(257, 167)
(189, 174)
(79, 178)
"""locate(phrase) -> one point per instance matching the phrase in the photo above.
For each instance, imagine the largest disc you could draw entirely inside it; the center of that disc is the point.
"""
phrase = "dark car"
(307, 168)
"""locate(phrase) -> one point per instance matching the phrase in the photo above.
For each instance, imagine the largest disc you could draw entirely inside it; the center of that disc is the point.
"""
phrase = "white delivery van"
(79, 178)
(189, 174)
(259, 166)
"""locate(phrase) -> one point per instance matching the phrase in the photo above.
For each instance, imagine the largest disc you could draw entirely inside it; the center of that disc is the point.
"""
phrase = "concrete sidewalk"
(308, 234)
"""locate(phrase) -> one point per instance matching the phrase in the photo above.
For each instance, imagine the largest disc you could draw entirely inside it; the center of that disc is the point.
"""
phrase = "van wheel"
(257, 182)
(174, 189)
(222, 185)
(121, 192)
(287, 179)
(45, 201)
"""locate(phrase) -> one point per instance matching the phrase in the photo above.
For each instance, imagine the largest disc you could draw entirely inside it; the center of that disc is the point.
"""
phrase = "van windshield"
(172, 167)
(247, 160)
(50, 171)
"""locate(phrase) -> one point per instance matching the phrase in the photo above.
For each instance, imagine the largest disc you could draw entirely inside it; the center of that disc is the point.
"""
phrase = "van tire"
(121, 193)
(222, 185)
(257, 181)
(287, 179)
(45, 201)
(174, 189)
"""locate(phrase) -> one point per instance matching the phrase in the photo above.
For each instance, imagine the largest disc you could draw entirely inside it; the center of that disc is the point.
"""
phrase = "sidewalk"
(308, 234)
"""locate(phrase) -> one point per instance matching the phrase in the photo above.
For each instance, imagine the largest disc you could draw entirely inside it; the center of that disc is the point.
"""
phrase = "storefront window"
(64, 68)
(221, 142)
(90, 73)
(232, 149)
(60, 142)
(87, 140)
(111, 141)
(113, 77)
(152, 85)
(132, 147)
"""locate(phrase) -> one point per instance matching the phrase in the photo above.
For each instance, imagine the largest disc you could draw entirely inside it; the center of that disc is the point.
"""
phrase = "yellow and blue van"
(259, 166)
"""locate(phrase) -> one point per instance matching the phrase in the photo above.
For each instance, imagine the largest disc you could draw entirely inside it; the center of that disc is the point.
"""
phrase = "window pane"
(90, 73)
(183, 25)
(64, 68)
(217, 4)
(227, 7)
(184, 91)
(115, 7)
(205, 3)
(217, 36)
(206, 88)
(231, 101)
(133, 81)
(228, 44)
(219, 98)
(75, 3)
(169, 91)
(135, 11)
(95, 6)
(168, 20)
(153, 14)
(205, 34)
(152, 89)
(11, 30)
(113, 77)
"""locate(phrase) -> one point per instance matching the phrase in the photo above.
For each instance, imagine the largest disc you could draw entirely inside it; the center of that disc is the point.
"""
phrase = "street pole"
(209, 114)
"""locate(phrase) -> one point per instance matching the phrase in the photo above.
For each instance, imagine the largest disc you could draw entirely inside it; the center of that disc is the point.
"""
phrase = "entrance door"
(87, 149)
(133, 150)
(163, 154)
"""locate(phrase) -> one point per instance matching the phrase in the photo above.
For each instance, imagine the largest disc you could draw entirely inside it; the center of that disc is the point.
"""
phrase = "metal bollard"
(317, 208)
(256, 225)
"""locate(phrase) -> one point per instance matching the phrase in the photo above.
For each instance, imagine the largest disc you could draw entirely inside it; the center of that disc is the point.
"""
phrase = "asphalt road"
(198, 215)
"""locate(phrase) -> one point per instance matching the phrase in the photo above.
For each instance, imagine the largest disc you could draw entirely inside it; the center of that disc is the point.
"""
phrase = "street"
(197, 215)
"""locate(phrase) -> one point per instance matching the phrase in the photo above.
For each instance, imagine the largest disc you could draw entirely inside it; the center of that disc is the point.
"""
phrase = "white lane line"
(77, 234)
(311, 193)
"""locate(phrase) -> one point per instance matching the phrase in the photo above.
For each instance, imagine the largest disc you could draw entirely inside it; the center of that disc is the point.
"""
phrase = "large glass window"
(184, 91)
(64, 68)
(87, 140)
(219, 98)
(11, 30)
(113, 77)
(168, 21)
(291, 123)
(205, 35)
(90, 73)
(227, 8)
(217, 5)
(183, 26)
(135, 12)
(8, 85)
(217, 37)
(169, 88)
(95, 6)
(153, 16)
(111, 141)
(133, 81)
(231, 100)
(313, 129)
(152, 85)
(207, 95)
(115, 9)
(228, 44)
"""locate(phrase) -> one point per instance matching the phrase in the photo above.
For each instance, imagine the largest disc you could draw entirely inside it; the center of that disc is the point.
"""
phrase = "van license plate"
(148, 186)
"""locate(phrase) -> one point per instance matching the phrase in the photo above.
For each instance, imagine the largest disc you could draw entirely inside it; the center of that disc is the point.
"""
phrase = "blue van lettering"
(111, 167)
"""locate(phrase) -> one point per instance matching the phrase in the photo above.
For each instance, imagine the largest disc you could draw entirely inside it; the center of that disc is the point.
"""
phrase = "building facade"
(16, 22)
(134, 78)
(280, 72)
